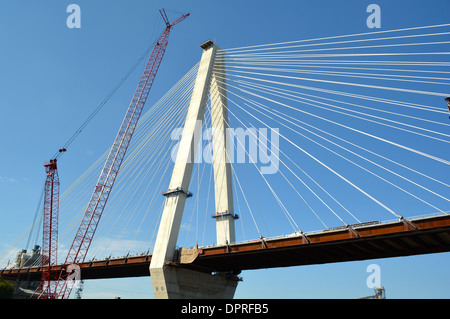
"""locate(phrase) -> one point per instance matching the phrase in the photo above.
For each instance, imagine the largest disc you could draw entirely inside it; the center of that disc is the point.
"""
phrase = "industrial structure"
(50, 231)
(380, 293)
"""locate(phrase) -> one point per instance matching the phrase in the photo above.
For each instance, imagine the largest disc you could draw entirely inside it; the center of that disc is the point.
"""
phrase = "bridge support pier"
(175, 282)
(178, 283)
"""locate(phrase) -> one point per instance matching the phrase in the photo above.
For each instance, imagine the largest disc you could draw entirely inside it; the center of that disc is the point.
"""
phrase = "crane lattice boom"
(50, 230)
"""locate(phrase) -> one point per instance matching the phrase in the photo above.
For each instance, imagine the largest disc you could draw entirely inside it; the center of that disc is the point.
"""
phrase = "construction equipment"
(49, 252)
(380, 293)
(83, 237)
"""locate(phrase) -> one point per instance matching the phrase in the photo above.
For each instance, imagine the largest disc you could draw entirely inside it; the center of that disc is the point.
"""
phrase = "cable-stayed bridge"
(340, 134)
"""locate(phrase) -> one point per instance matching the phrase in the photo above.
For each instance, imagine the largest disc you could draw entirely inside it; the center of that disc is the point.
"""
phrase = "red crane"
(49, 252)
(83, 238)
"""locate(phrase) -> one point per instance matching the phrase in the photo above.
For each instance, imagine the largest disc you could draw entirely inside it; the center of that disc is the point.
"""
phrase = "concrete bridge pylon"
(170, 281)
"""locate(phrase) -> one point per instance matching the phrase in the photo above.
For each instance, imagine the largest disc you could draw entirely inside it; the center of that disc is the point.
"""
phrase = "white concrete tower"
(224, 215)
(175, 282)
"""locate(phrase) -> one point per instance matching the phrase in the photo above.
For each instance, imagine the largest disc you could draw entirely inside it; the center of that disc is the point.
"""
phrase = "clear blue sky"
(52, 77)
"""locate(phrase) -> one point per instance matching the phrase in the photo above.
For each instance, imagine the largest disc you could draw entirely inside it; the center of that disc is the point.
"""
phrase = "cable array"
(324, 132)
(361, 121)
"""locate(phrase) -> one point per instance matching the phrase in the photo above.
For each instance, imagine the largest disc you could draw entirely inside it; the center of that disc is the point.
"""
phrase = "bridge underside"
(362, 242)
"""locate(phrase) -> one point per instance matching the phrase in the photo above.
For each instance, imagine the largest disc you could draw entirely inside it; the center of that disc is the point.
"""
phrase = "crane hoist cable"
(104, 101)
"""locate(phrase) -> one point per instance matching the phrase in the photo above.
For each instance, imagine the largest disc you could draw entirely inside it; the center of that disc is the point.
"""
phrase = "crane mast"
(84, 235)
(50, 230)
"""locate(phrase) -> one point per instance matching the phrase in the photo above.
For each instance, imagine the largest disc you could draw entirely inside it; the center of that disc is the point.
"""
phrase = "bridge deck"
(364, 242)
(361, 242)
